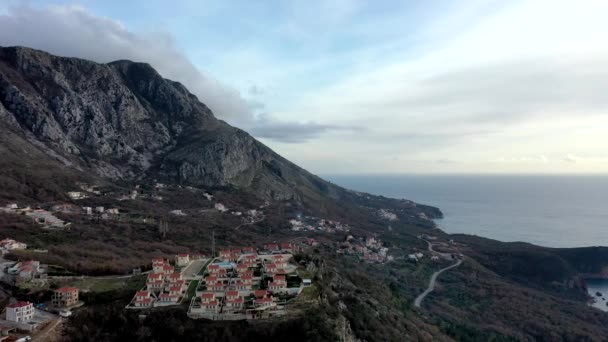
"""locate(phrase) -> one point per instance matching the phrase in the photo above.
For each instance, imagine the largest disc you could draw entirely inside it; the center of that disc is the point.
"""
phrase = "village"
(252, 283)
(240, 283)
(309, 223)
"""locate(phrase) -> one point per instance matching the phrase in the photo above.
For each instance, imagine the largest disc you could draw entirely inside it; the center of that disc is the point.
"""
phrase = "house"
(247, 279)
(155, 282)
(287, 247)
(167, 269)
(249, 250)
(65, 208)
(174, 277)
(239, 285)
(143, 299)
(435, 258)
(270, 268)
(99, 209)
(260, 293)
(214, 269)
(235, 303)
(158, 264)
(242, 268)
(20, 312)
(306, 282)
(65, 297)
(217, 287)
(168, 298)
(232, 294)
(181, 284)
(264, 302)
(75, 195)
(279, 279)
(276, 287)
(225, 255)
(10, 244)
(87, 210)
(280, 261)
(182, 259)
(207, 297)
(155, 286)
(113, 211)
(175, 290)
(213, 305)
(271, 247)
(210, 280)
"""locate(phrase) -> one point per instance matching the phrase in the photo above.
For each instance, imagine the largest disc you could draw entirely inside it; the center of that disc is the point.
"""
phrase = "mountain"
(124, 121)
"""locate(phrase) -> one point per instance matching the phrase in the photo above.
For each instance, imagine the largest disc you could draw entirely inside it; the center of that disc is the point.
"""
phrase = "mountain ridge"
(123, 120)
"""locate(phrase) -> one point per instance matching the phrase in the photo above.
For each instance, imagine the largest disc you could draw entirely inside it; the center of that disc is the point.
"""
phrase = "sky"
(350, 86)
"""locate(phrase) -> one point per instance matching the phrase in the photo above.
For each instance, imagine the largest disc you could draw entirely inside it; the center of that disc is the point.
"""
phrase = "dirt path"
(431, 287)
(50, 332)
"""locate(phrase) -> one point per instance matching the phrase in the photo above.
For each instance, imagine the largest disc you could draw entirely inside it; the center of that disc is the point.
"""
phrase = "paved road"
(431, 287)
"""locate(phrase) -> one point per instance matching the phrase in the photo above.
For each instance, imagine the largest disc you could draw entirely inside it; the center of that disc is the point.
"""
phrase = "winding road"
(431, 287)
(420, 298)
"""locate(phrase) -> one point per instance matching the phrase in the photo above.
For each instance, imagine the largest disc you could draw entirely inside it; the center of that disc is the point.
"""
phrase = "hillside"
(182, 181)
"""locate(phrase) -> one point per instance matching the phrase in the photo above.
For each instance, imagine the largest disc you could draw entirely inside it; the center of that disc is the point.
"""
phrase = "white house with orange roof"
(217, 287)
(212, 306)
(173, 277)
(264, 302)
(207, 297)
(175, 290)
(155, 282)
(213, 269)
(277, 287)
(167, 270)
(210, 280)
(270, 268)
(20, 312)
(249, 250)
(280, 261)
(260, 293)
(168, 298)
(143, 299)
(233, 300)
(242, 268)
(225, 254)
(280, 279)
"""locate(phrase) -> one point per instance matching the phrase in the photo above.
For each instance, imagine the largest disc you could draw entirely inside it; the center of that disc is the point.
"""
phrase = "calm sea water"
(553, 211)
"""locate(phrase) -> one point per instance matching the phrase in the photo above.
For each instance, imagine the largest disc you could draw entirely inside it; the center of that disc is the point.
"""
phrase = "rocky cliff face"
(122, 120)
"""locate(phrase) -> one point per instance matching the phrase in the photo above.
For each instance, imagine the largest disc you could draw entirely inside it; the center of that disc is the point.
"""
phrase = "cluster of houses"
(164, 285)
(243, 281)
(40, 216)
(25, 271)
(7, 245)
(387, 215)
(368, 249)
(309, 223)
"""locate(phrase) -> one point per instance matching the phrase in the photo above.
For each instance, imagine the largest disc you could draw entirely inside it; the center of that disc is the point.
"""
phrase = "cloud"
(293, 132)
(570, 158)
(75, 32)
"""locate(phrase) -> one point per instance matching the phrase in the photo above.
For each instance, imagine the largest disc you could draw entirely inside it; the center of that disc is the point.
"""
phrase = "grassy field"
(106, 284)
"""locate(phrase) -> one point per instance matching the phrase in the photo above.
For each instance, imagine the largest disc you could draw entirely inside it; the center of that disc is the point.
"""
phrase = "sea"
(546, 210)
